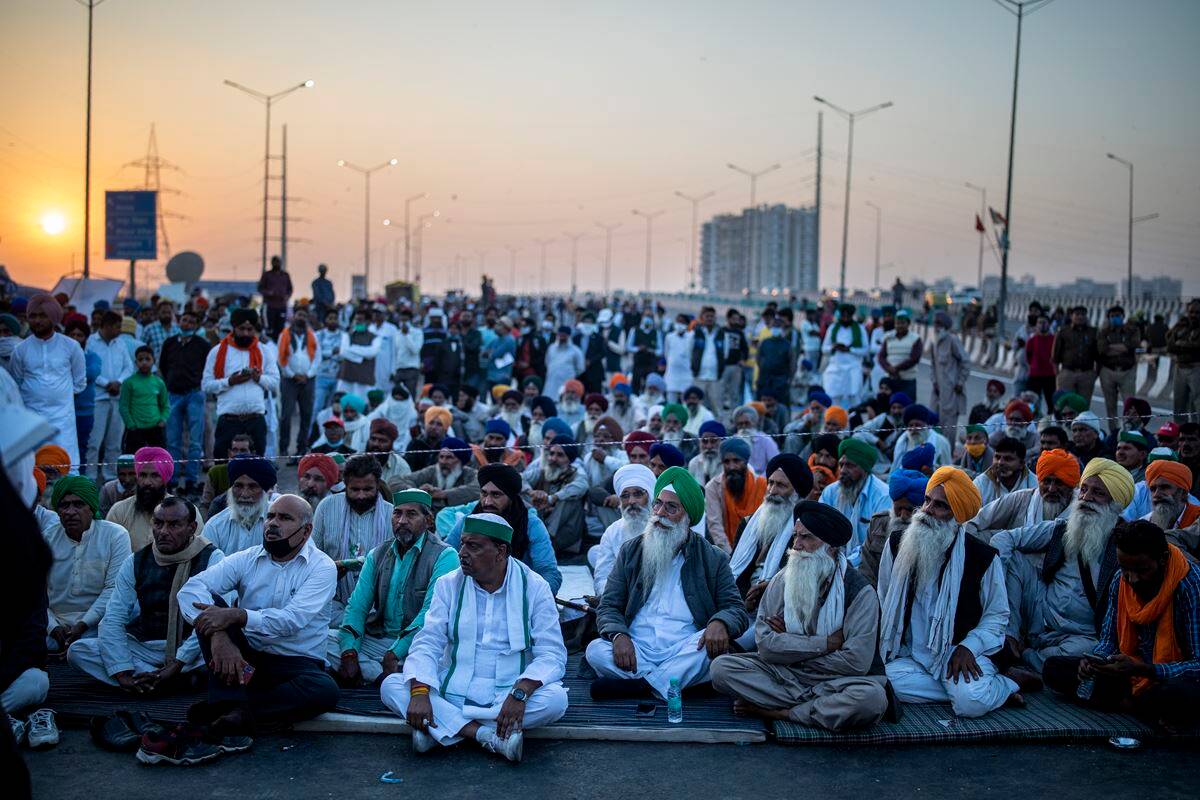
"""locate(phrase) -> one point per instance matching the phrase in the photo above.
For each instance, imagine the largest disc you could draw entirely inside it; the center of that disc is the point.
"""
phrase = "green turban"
(858, 451)
(1073, 401)
(681, 482)
(375, 396)
(676, 410)
(80, 486)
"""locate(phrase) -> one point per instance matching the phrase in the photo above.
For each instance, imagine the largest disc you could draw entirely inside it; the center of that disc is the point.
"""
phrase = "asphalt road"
(330, 765)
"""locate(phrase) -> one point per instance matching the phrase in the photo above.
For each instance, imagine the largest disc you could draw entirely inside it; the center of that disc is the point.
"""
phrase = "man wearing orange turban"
(423, 450)
(1170, 483)
(1057, 476)
(944, 605)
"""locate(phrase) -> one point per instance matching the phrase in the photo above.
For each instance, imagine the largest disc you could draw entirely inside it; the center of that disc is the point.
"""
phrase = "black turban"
(797, 472)
(507, 479)
(826, 443)
(825, 522)
(240, 315)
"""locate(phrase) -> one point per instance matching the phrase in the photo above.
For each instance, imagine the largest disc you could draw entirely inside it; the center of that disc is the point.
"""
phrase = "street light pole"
(543, 243)
(608, 231)
(366, 172)
(574, 237)
(408, 201)
(695, 201)
(1132, 221)
(423, 222)
(267, 100)
(982, 233)
(878, 237)
(850, 117)
(87, 153)
(649, 217)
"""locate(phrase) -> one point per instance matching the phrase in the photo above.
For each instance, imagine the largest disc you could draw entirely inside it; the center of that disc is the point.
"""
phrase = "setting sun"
(54, 223)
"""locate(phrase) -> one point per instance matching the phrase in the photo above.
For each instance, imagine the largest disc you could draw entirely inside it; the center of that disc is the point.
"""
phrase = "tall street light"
(366, 173)
(849, 116)
(753, 176)
(543, 243)
(267, 100)
(87, 148)
(1132, 221)
(574, 237)
(649, 217)
(423, 222)
(878, 237)
(1020, 9)
(695, 201)
(982, 233)
(408, 201)
(608, 232)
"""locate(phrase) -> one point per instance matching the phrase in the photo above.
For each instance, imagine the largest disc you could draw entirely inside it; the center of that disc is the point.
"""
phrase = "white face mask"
(587, 328)
(647, 323)
(680, 327)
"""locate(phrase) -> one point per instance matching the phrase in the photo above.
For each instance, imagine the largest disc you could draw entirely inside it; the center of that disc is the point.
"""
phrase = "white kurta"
(677, 351)
(873, 499)
(990, 489)
(603, 556)
(229, 536)
(843, 375)
(83, 573)
(50, 373)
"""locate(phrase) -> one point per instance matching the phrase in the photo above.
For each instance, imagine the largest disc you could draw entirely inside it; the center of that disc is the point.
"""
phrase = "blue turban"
(355, 402)
(918, 457)
(737, 446)
(820, 397)
(498, 426)
(671, 455)
(901, 398)
(657, 381)
(909, 484)
(559, 426)
(100, 305)
(460, 449)
(917, 412)
(256, 468)
(622, 387)
(131, 305)
(713, 427)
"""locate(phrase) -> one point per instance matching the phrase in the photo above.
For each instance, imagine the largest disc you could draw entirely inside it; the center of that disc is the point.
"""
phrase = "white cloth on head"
(638, 475)
(748, 546)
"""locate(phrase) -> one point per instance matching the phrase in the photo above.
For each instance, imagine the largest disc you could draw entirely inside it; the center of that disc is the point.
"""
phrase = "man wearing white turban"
(633, 484)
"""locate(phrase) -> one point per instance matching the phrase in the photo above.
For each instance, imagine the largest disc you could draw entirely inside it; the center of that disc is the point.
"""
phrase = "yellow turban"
(1116, 479)
(961, 492)
(498, 391)
(438, 412)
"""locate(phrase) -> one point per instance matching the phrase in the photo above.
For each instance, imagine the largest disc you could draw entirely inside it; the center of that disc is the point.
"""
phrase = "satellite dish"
(185, 267)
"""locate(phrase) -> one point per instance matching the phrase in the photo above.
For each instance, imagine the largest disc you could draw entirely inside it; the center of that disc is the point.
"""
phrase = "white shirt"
(244, 398)
(298, 361)
(677, 350)
(990, 489)
(873, 499)
(49, 373)
(708, 359)
(286, 603)
(614, 537)
(83, 573)
(665, 619)
(408, 347)
(115, 364)
(229, 536)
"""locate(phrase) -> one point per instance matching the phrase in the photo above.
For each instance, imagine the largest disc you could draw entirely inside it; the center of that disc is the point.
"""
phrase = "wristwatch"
(520, 695)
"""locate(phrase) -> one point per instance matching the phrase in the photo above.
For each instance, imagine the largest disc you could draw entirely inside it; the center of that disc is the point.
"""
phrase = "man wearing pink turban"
(154, 468)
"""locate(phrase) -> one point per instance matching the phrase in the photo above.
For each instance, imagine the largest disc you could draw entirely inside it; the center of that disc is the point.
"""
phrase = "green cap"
(412, 496)
(492, 526)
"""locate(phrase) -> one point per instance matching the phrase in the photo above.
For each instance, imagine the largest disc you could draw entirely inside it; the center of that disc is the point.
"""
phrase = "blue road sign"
(130, 225)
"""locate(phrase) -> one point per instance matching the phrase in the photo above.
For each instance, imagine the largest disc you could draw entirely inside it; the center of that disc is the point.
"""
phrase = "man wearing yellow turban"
(944, 605)
(1057, 476)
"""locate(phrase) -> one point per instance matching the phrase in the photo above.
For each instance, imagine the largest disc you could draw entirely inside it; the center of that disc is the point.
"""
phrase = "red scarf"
(285, 345)
(256, 359)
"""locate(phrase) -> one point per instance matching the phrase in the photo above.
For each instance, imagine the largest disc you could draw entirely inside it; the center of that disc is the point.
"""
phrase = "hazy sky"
(527, 119)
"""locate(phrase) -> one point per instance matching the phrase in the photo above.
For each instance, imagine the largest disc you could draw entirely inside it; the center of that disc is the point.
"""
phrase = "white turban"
(638, 475)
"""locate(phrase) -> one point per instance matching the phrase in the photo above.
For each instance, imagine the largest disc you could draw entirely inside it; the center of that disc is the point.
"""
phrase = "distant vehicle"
(963, 296)
(936, 299)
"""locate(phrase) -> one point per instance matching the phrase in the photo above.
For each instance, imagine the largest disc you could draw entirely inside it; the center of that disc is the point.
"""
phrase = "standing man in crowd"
(1075, 351)
(181, 365)
(239, 371)
(322, 294)
(299, 364)
(275, 286)
(951, 368)
(1183, 343)
(116, 364)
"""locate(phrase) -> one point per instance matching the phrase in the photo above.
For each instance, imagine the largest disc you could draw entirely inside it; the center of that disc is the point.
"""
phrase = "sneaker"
(231, 744)
(42, 732)
(18, 730)
(422, 742)
(173, 748)
(511, 748)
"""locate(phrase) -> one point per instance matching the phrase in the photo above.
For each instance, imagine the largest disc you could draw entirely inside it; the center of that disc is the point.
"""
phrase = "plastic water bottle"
(674, 702)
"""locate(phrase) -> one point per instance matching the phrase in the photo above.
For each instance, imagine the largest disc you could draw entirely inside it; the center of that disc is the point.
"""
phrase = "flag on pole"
(997, 217)
(979, 224)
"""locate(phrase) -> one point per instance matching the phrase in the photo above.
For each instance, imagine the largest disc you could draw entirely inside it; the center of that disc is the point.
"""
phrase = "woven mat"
(1044, 718)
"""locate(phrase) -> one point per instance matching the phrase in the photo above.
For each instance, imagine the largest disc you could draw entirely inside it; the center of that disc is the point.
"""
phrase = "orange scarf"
(738, 508)
(285, 345)
(1159, 611)
(1189, 515)
(256, 359)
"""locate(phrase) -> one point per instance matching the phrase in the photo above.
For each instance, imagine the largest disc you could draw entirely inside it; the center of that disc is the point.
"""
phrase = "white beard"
(923, 549)
(634, 518)
(848, 495)
(918, 437)
(551, 472)
(568, 406)
(711, 464)
(513, 418)
(247, 516)
(1088, 527)
(773, 514)
(1015, 431)
(804, 579)
(535, 433)
(1051, 509)
(446, 480)
(659, 546)
(672, 438)
(1165, 514)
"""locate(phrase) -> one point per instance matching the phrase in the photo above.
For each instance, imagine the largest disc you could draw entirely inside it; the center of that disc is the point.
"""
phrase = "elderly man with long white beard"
(906, 487)
(671, 604)
(239, 526)
(1057, 477)
(857, 493)
(817, 631)
(488, 663)
(633, 484)
(944, 605)
(1057, 609)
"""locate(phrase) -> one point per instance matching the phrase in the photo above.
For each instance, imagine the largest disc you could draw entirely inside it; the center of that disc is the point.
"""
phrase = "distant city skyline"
(533, 119)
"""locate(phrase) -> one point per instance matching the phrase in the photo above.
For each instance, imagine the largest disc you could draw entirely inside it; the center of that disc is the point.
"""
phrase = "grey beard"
(1088, 527)
(568, 406)
(672, 437)
(923, 549)
(551, 472)
(896, 525)
(535, 433)
(634, 517)
(1165, 513)
(848, 495)
(805, 578)
(247, 516)
(513, 418)
(1015, 431)
(659, 546)
(446, 480)
(1052, 508)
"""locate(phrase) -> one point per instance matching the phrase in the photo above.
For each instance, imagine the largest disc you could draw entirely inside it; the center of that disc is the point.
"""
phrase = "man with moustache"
(556, 488)
(1057, 610)
(317, 474)
(945, 609)
(817, 632)
(1057, 476)
(450, 480)
(633, 484)
(671, 604)
(239, 526)
(1171, 509)
(381, 439)
(906, 487)
(706, 464)
(1007, 473)
(392, 596)
(733, 495)
(240, 372)
(154, 468)
(858, 493)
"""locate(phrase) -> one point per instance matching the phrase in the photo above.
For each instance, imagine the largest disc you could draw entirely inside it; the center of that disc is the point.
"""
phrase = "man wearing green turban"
(857, 493)
(671, 604)
(77, 597)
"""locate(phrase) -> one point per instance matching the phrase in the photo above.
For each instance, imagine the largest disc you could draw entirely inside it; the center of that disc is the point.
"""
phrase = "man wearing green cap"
(1070, 405)
(88, 553)
(392, 596)
(489, 661)
(858, 493)
(1131, 453)
(845, 347)
(671, 604)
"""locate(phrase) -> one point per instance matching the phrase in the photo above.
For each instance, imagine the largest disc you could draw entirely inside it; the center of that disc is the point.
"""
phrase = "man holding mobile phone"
(240, 373)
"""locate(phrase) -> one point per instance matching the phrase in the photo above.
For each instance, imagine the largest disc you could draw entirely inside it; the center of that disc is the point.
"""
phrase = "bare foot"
(744, 709)
(1026, 679)
(1015, 700)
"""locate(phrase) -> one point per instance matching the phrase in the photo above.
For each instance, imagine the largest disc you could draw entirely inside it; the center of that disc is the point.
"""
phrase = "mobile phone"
(646, 708)
(1094, 659)
(247, 673)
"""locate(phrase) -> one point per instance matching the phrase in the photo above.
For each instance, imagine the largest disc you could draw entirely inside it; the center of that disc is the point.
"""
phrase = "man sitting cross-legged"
(392, 595)
(817, 632)
(489, 661)
(633, 484)
(671, 604)
(944, 605)
(144, 644)
(266, 657)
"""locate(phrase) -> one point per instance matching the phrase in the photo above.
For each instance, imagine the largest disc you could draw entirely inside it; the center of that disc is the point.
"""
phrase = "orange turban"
(961, 492)
(618, 377)
(51, 455)
(40, 477)
(760, 407)
(1060, 464)
(438, 412)
(1171, 471)
(837, 414)
(825, 472)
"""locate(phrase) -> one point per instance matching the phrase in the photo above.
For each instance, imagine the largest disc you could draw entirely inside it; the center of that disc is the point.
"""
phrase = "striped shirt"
(1187, 628)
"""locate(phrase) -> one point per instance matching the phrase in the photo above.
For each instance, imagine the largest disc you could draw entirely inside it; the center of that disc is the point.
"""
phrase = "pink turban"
(158, 458)
(47, 305)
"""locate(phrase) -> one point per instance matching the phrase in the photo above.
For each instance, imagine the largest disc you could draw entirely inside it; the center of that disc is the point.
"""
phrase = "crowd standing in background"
(787, 508)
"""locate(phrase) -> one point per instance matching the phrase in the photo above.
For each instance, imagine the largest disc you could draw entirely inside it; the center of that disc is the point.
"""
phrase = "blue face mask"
(1116, 320)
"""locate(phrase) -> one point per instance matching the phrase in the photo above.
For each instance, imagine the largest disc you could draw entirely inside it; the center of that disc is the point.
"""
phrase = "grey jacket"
(708, 587)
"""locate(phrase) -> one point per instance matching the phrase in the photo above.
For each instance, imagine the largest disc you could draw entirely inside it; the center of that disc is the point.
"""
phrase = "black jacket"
(181, 362)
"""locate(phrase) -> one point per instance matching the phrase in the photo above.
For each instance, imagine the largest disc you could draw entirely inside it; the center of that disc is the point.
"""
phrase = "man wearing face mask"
(181, 366)
(564, 360)
(614, 341)
(677, 352)
(1116, 352)
(358, 351)
(266, 657)
(594, 348)
(239, 372)
(393, 593)
(645, 343)
(531, 352)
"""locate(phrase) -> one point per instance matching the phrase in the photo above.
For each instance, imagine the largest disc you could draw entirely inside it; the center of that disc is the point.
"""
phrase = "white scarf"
(833, 610)
(941, 616)
(381, 532)
(747, 547)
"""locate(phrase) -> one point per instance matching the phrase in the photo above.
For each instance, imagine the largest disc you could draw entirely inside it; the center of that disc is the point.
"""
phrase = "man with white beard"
(858, 494)
(1057, 476)
(817, 631)
(906, 487)
(944, 605)
(239, 526)
(1171, 509)
(622, 408)
(633, 484)
(670, 605)
(917, 421)
(1057, 609)
(512, 411)
(706, 464)
(556, 486)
